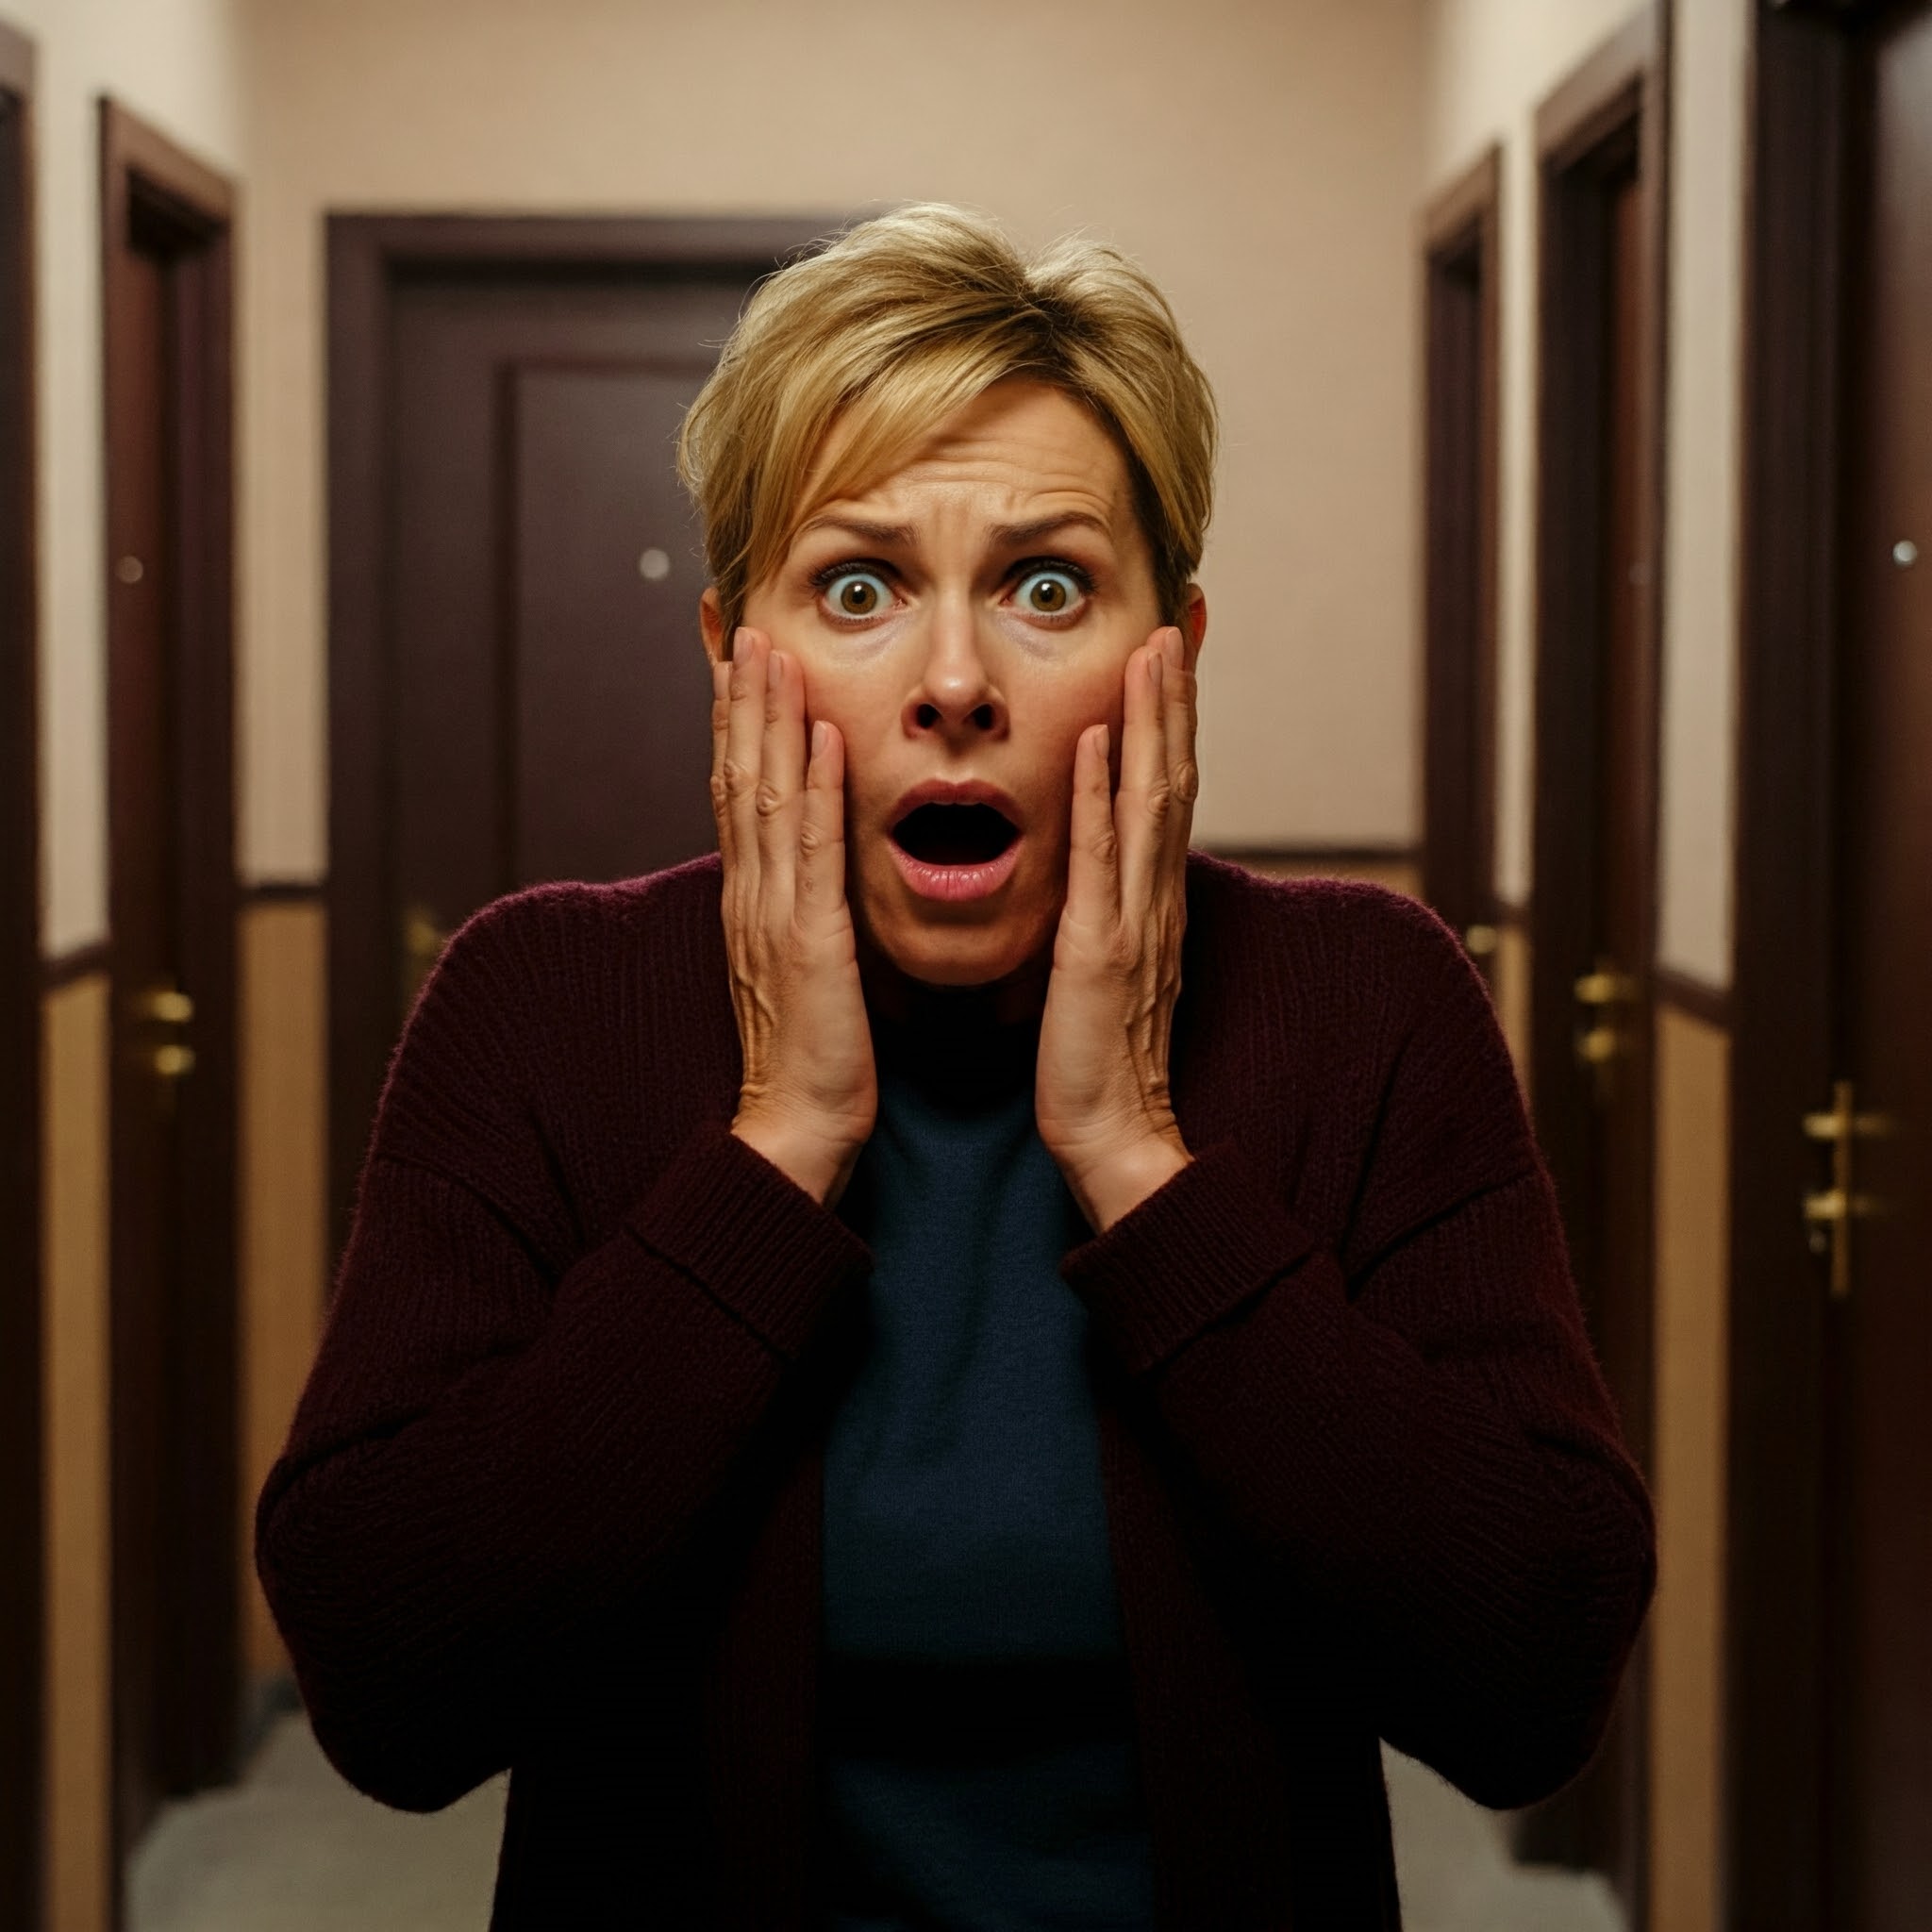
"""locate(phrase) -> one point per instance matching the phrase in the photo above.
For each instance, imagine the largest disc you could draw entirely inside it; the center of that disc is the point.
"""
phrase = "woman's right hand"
(810, 1091)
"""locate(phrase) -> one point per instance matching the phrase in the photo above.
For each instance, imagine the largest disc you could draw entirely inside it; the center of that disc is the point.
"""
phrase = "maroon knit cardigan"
(551, 1499)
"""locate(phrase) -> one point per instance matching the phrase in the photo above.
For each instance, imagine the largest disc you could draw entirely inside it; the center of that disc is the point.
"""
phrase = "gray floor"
(293, 1849)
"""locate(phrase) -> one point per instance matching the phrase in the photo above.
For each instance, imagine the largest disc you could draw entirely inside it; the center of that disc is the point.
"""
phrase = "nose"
(956, 696)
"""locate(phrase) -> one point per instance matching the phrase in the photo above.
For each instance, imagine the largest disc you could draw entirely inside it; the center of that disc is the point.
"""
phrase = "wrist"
(1113, 1184)
(815, 1161)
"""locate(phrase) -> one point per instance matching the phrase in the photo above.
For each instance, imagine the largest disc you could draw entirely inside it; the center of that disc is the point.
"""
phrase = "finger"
(721, 715)
(1180, 721)
(744, 733)
(781, 771)
(1141, 811)
(1094, 887)
(820, 877)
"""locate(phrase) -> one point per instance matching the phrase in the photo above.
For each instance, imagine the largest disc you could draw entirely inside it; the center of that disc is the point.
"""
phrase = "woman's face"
(962, 622)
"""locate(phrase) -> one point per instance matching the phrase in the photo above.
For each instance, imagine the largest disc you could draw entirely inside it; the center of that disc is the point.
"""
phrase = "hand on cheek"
(1101, 1092)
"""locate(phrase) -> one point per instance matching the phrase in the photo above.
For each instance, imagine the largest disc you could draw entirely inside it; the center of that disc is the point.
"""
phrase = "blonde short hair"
(899, 322)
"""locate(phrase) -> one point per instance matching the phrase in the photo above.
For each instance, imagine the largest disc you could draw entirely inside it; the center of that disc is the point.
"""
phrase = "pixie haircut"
(899, 322)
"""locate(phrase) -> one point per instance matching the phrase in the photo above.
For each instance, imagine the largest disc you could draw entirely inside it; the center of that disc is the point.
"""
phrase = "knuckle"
(768, 798)
(735, 777)
(1187, 781)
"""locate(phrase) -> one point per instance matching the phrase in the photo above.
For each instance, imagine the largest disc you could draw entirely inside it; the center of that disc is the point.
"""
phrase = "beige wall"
(1261, 155)
(1491, 62)
(1702, 482)
(173, 62)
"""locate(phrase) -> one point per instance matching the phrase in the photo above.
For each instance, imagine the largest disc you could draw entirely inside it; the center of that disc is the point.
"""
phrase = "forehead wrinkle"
(1005, 536)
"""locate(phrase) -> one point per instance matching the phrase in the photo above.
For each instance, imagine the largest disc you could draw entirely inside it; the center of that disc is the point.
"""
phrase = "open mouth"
(954, 834)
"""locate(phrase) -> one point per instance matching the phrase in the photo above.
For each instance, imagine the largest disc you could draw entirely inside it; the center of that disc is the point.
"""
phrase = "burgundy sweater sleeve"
(1405, 1418)
(500, 1440)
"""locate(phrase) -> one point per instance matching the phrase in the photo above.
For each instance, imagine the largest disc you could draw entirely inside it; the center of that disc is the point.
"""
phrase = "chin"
(962, 955)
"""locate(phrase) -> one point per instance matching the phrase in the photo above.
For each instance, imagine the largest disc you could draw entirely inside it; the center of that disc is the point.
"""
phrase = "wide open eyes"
(855, 593)
(1050, 590)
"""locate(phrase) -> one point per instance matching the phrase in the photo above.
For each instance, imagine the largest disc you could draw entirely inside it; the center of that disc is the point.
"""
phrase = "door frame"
(187, 1406)
(370, 257)
(1611, 110)
(1802, 199)
(23, 1514)
(1461, 233)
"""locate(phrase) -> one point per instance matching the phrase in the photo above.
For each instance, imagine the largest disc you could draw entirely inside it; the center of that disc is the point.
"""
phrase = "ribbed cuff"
(1196, 1248)
(749, 1235)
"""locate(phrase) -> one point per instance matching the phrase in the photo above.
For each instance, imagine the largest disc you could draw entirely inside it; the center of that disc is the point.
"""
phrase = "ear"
(1194, 624)
(711, 624)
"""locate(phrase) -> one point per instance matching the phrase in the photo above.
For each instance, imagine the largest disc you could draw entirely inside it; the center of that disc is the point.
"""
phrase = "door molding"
(23, 1525)
(1802, 227)
(1462, 243)
(1610, 114)
(183, 209)
(368, 256)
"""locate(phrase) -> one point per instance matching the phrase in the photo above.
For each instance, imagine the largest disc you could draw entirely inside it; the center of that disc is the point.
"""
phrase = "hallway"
(294, 1849)
(1570, 574)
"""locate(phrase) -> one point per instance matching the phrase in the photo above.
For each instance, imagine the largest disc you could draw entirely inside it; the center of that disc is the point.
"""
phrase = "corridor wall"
(1490, 62)
(175, 62)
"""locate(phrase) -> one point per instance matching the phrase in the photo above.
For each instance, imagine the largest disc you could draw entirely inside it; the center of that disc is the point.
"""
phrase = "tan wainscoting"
(1686, 1623)
(284, 1237)
(1511, 983)
(78, 1736)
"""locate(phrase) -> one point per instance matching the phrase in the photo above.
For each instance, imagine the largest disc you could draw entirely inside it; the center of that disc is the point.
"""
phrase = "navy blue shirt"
(979, 1765)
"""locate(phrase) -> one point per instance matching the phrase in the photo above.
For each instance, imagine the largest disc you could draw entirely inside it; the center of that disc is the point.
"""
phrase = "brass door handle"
(167, 1005)
(1599, 1046)
(1829, 1213)
(1605, 987)
(172, 1062)
(1480, 942)
(423, 942)
(1601, 1042)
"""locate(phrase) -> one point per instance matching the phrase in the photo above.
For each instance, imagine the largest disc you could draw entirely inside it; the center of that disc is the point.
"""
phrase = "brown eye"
(857, 593)
(1049, 593)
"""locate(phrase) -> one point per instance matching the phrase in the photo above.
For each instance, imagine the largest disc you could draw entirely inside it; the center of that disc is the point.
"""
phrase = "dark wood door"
(518, 687)
(1460, 309)
(1879, 1445)
(1596, 723)
(171, 904)
(549, 684)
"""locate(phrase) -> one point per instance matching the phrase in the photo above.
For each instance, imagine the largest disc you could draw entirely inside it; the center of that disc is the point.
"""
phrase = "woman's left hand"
(1101, 1094)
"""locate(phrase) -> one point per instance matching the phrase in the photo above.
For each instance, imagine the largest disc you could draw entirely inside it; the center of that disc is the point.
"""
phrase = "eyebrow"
(904, 535)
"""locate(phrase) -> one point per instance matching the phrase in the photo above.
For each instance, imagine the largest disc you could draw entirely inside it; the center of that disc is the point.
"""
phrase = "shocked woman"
(954, 1363)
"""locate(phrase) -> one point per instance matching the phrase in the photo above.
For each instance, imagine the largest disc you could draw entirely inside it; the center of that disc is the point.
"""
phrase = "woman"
(955, 1363)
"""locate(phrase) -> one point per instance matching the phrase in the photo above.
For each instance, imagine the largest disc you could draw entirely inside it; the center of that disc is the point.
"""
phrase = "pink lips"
(955, 881)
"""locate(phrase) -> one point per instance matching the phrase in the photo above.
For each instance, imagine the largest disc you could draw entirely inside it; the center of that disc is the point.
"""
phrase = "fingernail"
(772, 672)
(1159, 668)
(818, 737)
(1106, 741)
